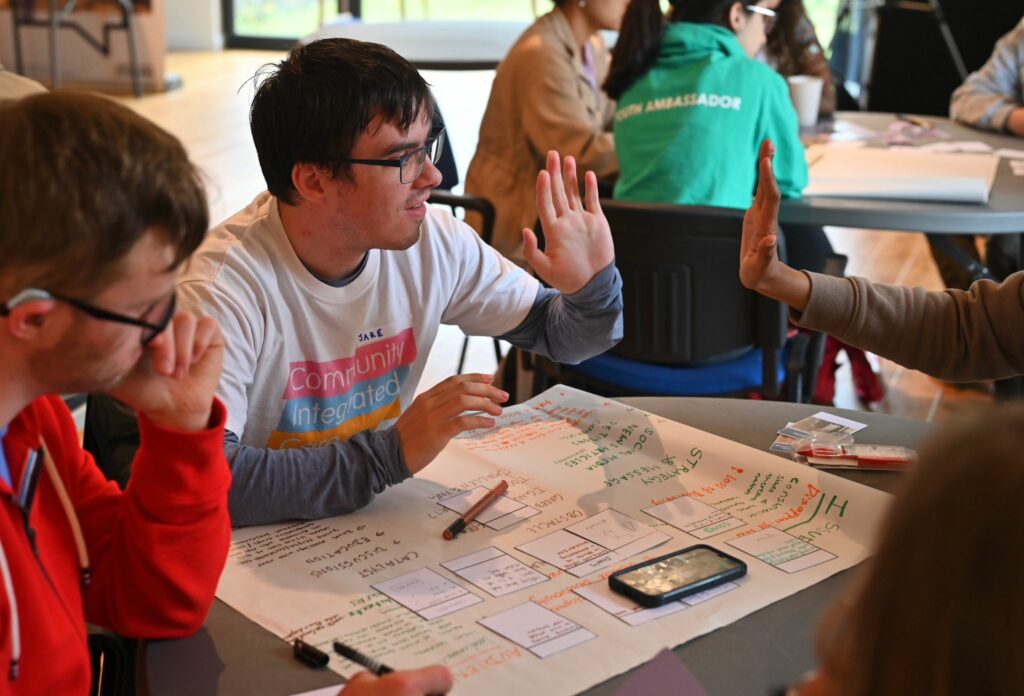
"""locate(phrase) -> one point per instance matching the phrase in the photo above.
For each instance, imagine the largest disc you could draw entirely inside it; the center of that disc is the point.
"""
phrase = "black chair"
(690, 327)
(482, 206)
(113, 659)
(446, 160)
(455, 201)
(111, 436)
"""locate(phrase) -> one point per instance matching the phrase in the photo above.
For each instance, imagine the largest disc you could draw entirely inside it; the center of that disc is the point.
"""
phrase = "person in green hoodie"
(694, 107)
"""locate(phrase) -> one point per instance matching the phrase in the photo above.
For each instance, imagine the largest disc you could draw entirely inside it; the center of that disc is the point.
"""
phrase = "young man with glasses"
(331, 285)
(89, 247)
(98, 209)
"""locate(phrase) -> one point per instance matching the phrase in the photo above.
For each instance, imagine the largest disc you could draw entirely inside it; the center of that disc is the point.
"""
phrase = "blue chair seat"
(689, 327)
(633, 377)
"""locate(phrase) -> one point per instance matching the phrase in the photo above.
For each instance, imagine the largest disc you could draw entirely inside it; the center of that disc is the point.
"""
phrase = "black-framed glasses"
(151, 330)
(410, 165)
(768, 14)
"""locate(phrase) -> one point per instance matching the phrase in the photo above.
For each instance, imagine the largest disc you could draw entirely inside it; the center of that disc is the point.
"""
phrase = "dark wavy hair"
(313, 106)
(643, 27)
(783, 40)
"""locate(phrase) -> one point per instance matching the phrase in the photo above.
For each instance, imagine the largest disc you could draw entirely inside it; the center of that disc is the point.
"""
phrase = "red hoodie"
(155, 551)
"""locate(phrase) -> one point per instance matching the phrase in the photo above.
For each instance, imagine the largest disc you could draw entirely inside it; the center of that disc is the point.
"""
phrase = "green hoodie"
(688, 131)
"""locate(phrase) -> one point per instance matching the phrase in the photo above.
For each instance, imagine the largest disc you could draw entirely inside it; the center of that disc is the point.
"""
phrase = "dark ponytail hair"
(636, 49)
(643, 26)
(702, 11)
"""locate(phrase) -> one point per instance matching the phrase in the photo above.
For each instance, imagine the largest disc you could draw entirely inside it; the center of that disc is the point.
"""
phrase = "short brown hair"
(937, 612)
(83, 179)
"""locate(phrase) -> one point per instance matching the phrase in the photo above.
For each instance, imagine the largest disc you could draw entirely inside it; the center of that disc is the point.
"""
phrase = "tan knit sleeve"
(952, 334)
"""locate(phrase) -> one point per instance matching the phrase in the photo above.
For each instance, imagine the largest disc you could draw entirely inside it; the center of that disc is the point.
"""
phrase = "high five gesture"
(578, 240)
(760, 267)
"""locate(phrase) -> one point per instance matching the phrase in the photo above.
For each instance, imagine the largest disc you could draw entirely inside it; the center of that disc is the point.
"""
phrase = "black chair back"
(446, 162)
(912, 67)
(683, 301)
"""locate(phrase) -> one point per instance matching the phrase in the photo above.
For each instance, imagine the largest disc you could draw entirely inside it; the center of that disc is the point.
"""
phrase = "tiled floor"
(210, 115)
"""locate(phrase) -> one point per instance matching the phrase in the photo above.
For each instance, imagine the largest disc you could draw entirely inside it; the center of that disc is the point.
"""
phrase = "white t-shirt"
(308, 364)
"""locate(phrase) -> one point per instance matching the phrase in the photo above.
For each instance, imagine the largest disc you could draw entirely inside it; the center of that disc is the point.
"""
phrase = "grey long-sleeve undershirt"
(308, 483)
(270, 485)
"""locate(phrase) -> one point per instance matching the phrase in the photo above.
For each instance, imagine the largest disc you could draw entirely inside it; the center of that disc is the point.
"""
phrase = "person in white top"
(331, 285)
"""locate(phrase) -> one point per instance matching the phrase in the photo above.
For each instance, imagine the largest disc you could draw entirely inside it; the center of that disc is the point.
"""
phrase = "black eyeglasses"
(410, 165)
(151, 330)
(767, 14)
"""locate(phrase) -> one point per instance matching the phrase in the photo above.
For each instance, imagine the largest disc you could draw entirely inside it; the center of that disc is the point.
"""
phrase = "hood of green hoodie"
(686, 41)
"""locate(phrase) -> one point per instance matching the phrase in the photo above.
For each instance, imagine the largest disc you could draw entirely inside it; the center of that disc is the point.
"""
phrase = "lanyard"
(25, 494)
(24, 497)
(5, 470)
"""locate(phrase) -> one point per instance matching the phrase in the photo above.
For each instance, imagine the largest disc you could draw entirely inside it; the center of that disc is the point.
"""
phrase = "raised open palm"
(578, 241)
(759, 260)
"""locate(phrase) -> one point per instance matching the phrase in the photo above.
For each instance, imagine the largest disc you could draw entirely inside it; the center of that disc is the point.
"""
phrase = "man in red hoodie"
(98, 208)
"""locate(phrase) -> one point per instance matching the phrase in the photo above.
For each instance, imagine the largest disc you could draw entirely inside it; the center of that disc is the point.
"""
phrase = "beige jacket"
(541, 100)
(954, 334)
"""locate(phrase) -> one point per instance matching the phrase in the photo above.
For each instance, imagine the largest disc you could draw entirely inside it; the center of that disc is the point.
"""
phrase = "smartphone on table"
(676, 575)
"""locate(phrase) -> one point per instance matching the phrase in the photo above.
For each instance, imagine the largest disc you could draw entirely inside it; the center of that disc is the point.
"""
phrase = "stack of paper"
(900, 173)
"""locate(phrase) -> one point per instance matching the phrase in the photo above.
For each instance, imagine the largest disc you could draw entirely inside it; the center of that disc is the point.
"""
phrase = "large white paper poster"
(609, 481)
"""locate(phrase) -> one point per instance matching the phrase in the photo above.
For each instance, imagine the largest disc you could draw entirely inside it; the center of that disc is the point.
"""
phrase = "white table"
(769, 648)
(1004, 213)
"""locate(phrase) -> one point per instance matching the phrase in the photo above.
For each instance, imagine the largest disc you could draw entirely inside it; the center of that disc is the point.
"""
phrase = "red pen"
(859, 456)
(469, 515)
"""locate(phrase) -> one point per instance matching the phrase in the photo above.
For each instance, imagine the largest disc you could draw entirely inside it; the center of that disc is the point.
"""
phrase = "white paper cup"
(805, 91)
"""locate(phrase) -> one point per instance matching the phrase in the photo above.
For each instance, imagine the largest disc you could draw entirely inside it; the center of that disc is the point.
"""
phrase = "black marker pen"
(350, 653)
(311, 655)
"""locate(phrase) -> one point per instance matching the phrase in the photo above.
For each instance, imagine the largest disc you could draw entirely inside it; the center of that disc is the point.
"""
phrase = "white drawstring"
(5, 570)
(80, 547)
(82, 550)
(69, 513)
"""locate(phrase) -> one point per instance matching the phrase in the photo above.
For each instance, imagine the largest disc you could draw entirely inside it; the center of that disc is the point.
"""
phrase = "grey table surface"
(771, 647)
(1004, 212)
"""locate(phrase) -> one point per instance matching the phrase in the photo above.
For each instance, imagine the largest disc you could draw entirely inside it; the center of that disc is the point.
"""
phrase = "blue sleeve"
(572, 328)
(271, 485)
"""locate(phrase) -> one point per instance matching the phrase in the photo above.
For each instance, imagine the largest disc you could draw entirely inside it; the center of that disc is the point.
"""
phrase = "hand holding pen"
(381, 680)
(419, 682)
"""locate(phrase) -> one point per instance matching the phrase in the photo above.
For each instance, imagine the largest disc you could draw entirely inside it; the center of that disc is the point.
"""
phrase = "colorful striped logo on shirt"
(330, 401)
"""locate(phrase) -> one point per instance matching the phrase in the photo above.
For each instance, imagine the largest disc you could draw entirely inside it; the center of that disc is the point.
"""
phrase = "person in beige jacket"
(955, 335)
(546, 96)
